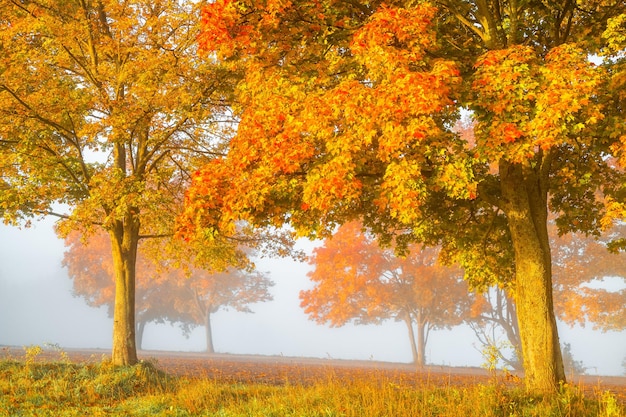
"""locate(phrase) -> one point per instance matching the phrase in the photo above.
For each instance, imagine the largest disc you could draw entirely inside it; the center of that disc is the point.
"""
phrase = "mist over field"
(37, 307)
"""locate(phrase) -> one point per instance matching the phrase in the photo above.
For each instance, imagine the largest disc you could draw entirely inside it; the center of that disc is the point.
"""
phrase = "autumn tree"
(581, 265)
(105, 111)
(492, 316)
(356, 280)
(346, 112)
(233, 289)
(164, 293)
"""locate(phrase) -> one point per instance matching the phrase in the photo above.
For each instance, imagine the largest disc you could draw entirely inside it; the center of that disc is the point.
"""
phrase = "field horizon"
(199, 364)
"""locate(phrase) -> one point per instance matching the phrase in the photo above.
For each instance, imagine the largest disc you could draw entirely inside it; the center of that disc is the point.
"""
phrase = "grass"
(33, 388)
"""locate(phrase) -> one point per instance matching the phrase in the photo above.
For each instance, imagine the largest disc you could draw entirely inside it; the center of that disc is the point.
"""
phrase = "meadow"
(35, 385)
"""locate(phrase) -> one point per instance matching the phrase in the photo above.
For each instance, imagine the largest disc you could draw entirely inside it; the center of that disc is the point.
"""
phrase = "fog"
(37, 307)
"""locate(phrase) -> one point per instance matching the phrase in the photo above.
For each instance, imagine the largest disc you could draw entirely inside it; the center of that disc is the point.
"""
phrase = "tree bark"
(124, 239)
(525, 204)
(209, 332)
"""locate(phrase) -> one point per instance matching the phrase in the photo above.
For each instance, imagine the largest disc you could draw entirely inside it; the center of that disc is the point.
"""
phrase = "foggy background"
(37, 308)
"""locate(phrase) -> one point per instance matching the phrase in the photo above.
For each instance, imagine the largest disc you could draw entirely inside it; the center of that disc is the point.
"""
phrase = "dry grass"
(29, 387)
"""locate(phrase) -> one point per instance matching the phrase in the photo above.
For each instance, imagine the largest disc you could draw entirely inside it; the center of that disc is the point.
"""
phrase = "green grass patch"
(32, 388)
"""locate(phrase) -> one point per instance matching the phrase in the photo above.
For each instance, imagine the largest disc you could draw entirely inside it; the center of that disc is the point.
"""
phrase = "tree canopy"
(346, 112)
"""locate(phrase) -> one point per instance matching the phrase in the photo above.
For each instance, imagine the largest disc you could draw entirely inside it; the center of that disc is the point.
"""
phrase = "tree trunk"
(409, 326)
(209, 332)
(421, 340)
(525, 205)
(124, 239)
(141, 325)
(418, 341)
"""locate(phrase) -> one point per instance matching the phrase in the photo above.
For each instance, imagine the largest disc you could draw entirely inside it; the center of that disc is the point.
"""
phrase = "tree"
(105, 110)
(228, 290)
(356, 280)
(345, 112)
(164, 294)
(571, 365)
(493, 313)
(581, 264)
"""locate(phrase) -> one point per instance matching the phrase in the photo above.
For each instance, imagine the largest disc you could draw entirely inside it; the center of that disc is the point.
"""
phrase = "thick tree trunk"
(124, 239)
(525, 204)
(209, 332)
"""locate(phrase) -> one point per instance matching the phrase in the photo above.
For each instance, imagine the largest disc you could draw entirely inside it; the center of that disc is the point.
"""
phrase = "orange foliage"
(317, 141)
(535, 103)
(346, 112)
(580, 264)
(356, 280)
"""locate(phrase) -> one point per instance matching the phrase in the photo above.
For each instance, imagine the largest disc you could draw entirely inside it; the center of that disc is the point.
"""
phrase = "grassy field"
(31, 387)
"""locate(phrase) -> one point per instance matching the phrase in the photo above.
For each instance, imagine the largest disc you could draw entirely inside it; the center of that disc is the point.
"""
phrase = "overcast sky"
(37, 307)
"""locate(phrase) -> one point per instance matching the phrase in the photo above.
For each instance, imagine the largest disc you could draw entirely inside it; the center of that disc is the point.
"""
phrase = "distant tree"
(493, 315)
(207, 294)
(165, 293)
(571, 365)
(357, 280)
(580, 265)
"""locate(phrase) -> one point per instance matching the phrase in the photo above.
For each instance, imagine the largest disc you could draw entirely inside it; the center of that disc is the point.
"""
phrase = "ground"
(278, 370)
